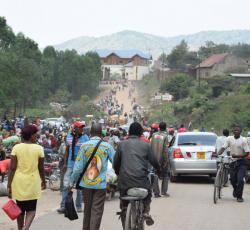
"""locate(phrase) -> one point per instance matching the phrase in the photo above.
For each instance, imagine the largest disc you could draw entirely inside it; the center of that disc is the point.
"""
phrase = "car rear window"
(208, 140)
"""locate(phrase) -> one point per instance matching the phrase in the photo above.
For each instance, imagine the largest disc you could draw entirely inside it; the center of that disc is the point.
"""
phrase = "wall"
(230, 63)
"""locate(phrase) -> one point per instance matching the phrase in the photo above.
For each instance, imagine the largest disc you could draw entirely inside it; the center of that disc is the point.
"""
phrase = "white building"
(128, 64)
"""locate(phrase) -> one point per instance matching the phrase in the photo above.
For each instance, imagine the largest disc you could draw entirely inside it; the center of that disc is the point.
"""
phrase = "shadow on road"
(195, 180)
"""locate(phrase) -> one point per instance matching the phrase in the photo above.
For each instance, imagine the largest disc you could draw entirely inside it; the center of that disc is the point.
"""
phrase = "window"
(208, 140)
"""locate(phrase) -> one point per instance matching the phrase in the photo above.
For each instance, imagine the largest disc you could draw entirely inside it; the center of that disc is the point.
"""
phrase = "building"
(126, 64)
(219, 64)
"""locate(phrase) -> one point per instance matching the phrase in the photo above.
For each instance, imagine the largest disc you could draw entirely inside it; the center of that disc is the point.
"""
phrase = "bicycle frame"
(134, 215)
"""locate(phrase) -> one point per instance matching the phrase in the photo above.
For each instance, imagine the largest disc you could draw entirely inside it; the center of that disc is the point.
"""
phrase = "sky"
(51, 22)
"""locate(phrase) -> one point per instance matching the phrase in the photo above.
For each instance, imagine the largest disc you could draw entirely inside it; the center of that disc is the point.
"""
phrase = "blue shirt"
(69, 139)
(95, 175)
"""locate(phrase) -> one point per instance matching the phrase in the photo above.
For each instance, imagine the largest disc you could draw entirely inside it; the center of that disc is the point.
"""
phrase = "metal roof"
(122, 53)
(246, 75)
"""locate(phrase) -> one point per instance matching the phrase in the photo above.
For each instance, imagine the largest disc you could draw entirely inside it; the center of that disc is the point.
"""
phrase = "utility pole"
(199, 73)
(199, 80)
(162, 65)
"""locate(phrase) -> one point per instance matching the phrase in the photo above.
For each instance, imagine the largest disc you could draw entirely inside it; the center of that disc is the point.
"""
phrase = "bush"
(163, 113)
(177, 85)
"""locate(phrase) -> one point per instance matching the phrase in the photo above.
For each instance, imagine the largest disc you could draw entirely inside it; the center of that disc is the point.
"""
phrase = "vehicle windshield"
(52, 119)
(193, 140)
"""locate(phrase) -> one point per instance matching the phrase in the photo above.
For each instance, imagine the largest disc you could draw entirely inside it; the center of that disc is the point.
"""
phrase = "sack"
(70, 211)
(12, 210)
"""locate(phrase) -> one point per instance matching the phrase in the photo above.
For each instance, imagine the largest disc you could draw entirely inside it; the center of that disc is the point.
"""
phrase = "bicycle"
(221, 176)
(134, 216)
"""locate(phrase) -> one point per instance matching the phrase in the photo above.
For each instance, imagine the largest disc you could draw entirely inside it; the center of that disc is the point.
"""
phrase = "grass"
(147, 87)
(226, 111)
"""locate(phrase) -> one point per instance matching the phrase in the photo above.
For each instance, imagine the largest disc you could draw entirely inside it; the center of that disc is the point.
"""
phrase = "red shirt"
(5, 165)
(142, 138)
(182, 130)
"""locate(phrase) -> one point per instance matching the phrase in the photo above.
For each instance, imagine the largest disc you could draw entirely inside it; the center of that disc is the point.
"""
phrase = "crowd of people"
(138, 152)
(28, 153)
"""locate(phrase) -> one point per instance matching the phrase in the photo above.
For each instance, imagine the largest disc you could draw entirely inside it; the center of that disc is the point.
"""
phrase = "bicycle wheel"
(217, 186)
(216, 194)
(130, 218)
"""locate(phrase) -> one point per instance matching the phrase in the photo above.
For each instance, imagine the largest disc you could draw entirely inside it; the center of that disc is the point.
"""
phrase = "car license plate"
(201, 155)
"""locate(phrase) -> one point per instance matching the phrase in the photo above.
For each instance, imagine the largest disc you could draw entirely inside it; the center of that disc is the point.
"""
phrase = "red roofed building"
(218, 64)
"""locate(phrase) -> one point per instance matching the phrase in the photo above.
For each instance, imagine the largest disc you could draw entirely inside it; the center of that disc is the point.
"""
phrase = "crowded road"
(190, 207)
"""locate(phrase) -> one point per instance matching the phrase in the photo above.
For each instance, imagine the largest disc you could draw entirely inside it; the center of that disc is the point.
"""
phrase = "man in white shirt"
(239, 150)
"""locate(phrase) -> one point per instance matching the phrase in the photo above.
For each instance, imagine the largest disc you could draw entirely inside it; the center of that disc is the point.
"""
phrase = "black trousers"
(164, 184)
(94, 200)
(237, 173)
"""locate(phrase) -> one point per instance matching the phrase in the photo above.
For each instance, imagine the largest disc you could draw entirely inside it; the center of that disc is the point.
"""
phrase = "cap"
(79, 124)
(155, 126)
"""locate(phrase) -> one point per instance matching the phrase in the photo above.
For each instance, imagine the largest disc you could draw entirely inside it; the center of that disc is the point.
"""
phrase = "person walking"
(159, 144)
(93, 182)
(182, 129)
(220, 141)
(26, 177)
(74, 141)
(239, 150)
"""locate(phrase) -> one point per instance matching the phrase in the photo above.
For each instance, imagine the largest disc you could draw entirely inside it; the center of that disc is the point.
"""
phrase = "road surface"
(189, 207)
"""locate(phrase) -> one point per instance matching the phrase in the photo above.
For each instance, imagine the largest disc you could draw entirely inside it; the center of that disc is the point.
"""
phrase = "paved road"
(190, 207)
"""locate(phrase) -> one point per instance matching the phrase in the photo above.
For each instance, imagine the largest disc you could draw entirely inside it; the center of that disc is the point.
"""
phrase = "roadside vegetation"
(218, 102)
(31, 78)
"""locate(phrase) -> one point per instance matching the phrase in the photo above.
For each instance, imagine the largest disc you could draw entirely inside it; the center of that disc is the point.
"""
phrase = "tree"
(220, 84)
(211, 48)
(177, 85)
(163, 58)
(176, 58)
(6, 35)
(29, 76)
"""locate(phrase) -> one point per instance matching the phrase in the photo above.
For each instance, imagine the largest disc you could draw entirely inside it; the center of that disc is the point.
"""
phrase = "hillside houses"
(219, 64)
(127, 64)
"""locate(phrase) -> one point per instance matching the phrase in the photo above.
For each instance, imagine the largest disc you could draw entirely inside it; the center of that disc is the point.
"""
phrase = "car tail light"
(188, 154)
(177, 153)
(248, 156)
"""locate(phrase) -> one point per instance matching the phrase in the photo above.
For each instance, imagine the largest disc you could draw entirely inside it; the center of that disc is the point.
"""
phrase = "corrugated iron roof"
(122, 53)
(212, 60)
(246, 75)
